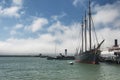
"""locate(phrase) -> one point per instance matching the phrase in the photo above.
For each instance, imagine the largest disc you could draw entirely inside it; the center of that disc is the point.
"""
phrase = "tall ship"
(88, 52)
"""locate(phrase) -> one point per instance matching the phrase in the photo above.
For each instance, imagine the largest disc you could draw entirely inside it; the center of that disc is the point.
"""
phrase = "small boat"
(51, 58)
(61, 57)
(71, 63)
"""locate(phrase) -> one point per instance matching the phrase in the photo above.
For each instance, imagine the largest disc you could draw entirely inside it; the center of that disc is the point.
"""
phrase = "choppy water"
(31, 68)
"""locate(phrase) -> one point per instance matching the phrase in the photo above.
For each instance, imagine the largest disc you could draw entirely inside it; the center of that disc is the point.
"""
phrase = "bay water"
(35, 68)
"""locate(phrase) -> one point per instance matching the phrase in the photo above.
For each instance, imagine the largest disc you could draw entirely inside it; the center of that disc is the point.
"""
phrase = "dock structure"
(112, 54)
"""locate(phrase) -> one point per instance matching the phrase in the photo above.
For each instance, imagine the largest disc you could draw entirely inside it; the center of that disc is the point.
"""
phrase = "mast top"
(89, 6)
(90, 39)
(82, 22)
(89, 1)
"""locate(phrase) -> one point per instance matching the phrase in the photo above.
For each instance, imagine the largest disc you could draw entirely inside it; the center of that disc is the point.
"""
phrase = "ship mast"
(82, 35)
(85, 32)
(90, 25)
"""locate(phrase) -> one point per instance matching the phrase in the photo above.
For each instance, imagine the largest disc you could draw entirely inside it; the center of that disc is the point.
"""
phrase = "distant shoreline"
(19, 56)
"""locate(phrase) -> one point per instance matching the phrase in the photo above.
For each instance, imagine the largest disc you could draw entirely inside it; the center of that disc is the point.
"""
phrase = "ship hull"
(87, 57)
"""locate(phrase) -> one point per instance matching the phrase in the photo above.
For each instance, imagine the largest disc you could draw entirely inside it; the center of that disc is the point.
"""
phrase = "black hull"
(87, 57)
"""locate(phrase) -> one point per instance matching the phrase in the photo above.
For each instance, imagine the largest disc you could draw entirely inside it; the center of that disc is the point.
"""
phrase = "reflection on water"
(31, 68)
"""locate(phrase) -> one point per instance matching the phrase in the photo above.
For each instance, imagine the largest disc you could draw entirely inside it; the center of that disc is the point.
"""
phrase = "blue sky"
(31, 27)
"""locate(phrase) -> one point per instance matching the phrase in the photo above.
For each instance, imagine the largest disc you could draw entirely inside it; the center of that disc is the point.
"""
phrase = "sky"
(33, 27)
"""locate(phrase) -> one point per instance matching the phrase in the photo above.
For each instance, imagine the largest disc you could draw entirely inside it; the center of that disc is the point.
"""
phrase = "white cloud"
(66, 36)
(109, 35)
(45, 43)
(79, 2)
(57, 27)
(15, 29)
(107, 14)
(57, 17)
(63, 32)
(18, 26)
(37, 24)
(13, 32)
(28, 46)
(75, 2)
(11, 11)
(14, 10)
(18, 2)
